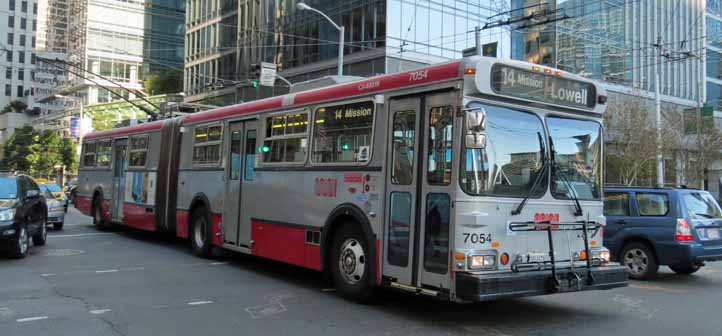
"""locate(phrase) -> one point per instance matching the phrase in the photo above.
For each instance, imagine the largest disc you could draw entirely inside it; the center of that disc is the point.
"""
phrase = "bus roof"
(140, 128)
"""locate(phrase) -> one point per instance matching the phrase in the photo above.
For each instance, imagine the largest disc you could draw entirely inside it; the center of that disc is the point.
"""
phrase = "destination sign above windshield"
(550, 89)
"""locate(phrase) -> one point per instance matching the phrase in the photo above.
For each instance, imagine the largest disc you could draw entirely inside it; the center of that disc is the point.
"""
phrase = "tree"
(38, 152)
(631, 141)
(14, 106)
(18, 149)
(69, 154)
(163, 82)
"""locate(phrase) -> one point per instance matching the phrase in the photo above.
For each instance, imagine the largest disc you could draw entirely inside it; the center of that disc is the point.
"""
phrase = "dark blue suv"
(649, 227)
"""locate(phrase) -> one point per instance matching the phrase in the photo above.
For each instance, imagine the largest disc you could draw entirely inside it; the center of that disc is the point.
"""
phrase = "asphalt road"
(85, 282)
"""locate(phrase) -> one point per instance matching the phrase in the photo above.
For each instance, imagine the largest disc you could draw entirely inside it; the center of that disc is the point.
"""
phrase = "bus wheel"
(201, 237)
(351, 264)
(98, 220)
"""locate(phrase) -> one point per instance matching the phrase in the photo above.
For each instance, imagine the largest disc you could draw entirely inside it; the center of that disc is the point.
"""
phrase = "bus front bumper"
(486, 287)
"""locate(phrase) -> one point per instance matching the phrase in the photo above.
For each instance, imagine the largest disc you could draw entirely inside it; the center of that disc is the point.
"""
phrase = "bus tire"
(98, 220)
(351, 264)
(200, 233)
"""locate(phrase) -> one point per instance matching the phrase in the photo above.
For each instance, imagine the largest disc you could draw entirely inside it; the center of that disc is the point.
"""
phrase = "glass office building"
(381, 36)
(714, 54)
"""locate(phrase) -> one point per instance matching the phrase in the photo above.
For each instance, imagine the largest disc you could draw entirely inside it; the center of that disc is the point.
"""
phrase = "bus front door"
(418, 220)
(241, 160)
(120, 164)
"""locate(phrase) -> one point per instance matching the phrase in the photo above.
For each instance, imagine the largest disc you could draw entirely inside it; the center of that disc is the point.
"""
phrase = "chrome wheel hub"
(636, 261)
(352, 261)
(199, 232)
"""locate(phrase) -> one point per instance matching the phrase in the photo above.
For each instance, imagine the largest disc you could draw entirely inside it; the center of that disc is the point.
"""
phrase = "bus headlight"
(601, 254)
(482, 262)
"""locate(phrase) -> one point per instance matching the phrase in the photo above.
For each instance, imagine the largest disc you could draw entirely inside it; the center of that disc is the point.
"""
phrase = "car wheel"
(351, 264)
(685, 269)
(58, 226)
(201, 236)
(41, 237)
(22, 243)
(640, 261)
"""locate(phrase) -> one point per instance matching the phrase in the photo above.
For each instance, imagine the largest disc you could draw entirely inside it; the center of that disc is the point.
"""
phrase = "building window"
(22, 40)
(21, 56)
(21, 74)
(24, 7)
(286, 138)
(23, 23)
(89, 154)
(11, 38)
(11, 22)
(342, 133)
(207, 145)
(8, 73)
(35, 25)
(8, 90)
(103, 153)
(35, 8)
(33, 43)
(20, 91)
(9, 56)
(12, 5)
(138, 151)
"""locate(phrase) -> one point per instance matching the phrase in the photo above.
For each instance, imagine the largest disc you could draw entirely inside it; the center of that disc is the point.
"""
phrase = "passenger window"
(404, 135)
(653, 204)
(138, 151)
(103, 153)
(207, 145)
(399, 229)
(89, 154)
(235, 171)
(342, 133)
(285, 139)
(440, 145)
(436, 237)
(250, 154)
(616, 204)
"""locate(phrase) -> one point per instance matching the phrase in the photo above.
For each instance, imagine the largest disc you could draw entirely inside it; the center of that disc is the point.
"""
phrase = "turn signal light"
(495, 244)
(459, 256)
(583, 255)
(469, 71)
(535, 68)
(504, 259)
(548, 71)
(558, 72)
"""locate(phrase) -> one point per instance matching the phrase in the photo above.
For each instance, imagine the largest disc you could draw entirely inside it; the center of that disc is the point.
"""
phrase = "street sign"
(75, 127)
(489, 49)
(268, 74)
(469, 52)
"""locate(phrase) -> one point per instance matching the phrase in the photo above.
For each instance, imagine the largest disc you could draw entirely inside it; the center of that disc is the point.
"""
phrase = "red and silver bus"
(472, 180)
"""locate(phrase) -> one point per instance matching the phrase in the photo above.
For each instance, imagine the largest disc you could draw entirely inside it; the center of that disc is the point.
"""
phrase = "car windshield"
(578, 158)
(700, 205)
(51, 187)
(8, 188)
(512, 157)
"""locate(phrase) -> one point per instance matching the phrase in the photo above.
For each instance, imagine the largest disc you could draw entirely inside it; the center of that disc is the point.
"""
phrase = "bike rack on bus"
(550, 226)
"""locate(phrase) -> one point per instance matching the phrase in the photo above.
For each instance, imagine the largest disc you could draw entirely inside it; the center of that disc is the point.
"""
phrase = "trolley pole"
(477, 35)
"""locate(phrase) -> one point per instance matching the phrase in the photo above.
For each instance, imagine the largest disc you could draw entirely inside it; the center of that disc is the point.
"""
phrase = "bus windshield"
(578, 161)
(511, 160)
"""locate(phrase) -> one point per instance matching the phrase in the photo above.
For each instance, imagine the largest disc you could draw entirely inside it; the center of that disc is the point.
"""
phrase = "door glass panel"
(616, 204)
(250, 154)
(652, 204)
(436, 237)
(404, 135)
(399, 229)
(235, 172)
(440, 145)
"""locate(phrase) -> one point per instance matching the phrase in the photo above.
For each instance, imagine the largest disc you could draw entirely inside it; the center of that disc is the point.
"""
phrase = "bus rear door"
(241, 160)
(119, 166)
(419, 187)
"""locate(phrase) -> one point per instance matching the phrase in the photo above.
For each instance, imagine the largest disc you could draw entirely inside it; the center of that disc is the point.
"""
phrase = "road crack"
(89, 306)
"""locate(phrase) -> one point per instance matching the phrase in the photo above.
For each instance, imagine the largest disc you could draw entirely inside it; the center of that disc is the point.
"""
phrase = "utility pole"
(658, 115)
(477, 35)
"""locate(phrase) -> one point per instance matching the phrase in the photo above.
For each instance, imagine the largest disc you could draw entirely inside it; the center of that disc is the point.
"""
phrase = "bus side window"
(250, 155)
(440, 145)
(235, 171)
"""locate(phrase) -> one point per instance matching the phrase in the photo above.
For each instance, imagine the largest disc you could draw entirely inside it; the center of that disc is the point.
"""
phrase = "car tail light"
(683, 233)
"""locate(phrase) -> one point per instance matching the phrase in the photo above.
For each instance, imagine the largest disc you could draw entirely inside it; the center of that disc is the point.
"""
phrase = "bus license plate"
(713, 234)
(534, 257)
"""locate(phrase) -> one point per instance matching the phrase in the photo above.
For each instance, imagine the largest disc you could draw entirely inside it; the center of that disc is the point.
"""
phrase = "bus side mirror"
(475, 129)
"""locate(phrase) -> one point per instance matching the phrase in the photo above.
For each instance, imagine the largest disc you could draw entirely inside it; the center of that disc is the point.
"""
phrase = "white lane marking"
(5, 311)
(219, 263)
(107, 271)
(82, 235)
(34, 318)
(196, 303)
(47, 274)
(100, 311)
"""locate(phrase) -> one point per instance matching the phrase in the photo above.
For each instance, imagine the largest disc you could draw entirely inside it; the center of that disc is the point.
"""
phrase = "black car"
(649, 227)
(23, 214)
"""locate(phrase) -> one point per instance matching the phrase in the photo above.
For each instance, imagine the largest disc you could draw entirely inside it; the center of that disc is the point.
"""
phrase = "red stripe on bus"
(284, 243)
(216, 229)
(135, 215)
(181, 223)
(106, 209)
(82, 203)
(382, 83)
(227, 111)
(145, 127)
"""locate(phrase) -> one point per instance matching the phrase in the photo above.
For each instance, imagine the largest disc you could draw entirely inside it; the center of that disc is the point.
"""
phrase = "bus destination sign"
(510, 81)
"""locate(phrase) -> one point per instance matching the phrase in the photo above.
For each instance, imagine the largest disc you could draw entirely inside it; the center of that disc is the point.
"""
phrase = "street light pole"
(304, 6)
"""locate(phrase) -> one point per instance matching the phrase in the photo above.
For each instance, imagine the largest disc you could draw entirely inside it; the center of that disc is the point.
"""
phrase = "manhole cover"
(59, 252)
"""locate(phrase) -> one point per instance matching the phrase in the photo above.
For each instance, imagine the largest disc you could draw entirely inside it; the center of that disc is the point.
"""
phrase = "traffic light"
(255, 71)
(254, 83)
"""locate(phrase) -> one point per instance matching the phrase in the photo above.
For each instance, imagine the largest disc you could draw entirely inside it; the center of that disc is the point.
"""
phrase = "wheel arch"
(638, 239)
(339, 215)
(199, 200)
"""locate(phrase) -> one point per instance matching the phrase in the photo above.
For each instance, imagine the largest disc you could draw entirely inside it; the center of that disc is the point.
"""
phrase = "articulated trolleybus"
(471, 180)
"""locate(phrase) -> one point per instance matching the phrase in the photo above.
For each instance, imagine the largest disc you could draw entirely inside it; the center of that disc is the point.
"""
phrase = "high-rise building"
(225, 37)
(614, 41)
(52, 26)
(714, 54)
(17, 39)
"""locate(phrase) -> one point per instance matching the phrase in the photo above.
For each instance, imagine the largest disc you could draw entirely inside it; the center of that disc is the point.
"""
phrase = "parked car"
(57, 206)
(649, 227)
(23, 214)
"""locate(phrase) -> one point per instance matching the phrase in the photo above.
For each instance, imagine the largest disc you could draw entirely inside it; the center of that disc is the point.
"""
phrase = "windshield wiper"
(705, 215)
(556, 173)
(542, 173)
